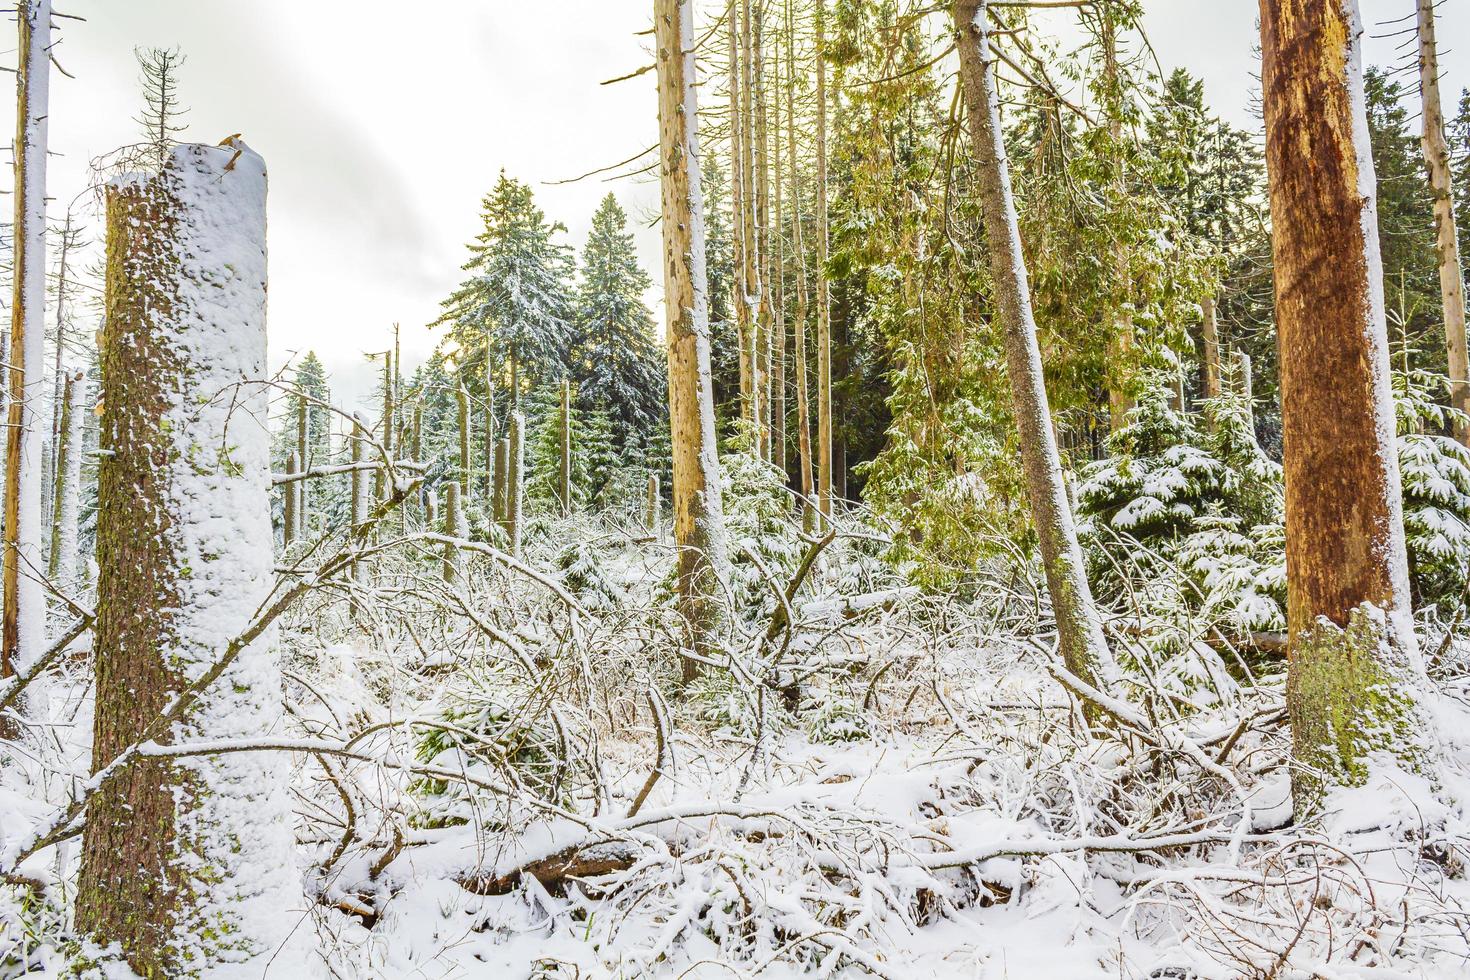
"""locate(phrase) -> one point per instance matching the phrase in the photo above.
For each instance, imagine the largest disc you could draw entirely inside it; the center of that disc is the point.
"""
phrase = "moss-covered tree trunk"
(1079, 628)
(699, 517)
(1354, 668)
(185, 863)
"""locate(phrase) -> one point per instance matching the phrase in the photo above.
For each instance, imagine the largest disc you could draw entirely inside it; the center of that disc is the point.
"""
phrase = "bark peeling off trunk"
(1345, 553)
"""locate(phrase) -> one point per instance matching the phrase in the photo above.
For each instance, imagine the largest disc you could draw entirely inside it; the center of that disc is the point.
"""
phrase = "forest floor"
(504, 777)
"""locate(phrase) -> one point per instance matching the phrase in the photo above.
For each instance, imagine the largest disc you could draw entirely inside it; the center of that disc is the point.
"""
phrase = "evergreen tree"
(1405, 225)
(311, 380)
(617, 362)
(593, 454)
(515, 306)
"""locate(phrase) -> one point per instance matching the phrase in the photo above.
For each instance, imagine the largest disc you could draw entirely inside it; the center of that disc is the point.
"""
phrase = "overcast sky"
(383, 124)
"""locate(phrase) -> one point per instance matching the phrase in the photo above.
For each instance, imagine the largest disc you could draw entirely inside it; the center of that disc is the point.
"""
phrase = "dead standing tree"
(1354, 670)
(181, 860)
(699, 518)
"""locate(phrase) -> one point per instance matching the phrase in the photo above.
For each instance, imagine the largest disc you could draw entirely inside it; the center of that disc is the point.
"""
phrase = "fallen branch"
(782, 616)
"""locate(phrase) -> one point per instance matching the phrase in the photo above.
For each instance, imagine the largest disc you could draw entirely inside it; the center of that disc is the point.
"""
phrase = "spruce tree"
(515, 306)
(617, 363)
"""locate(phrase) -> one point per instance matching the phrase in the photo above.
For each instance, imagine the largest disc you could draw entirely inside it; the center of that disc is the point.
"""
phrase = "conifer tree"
(514, 307)
(617, 362)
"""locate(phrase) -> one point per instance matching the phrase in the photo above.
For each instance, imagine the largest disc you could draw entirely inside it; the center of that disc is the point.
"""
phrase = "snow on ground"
(898, 787)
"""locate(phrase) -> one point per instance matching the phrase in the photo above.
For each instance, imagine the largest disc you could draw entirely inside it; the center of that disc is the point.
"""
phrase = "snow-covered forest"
(1020, 530)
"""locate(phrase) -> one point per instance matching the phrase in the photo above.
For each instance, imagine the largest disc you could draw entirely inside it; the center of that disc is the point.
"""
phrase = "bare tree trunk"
(454, 527)
(1121, 340)
(798, 248)
(462, 406)
(777, 278)
(185, 862)
(763, 233)
(699, 518)
(303, 452)
(1245, 384)
(1446, 241)
(1354, 668)
(489, 433)
(737, 207)
(58, 374)
(515, 481)
(652, 517)
(386, 428)
(566, 448)
(359, 503)
(23, 631)
(290, 494)
(62, 568)
(502, 457)
(1210, 369)
(1079, 628)
(824, 295)
(750, 221)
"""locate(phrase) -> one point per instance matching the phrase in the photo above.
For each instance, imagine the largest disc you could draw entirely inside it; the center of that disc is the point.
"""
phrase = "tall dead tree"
(1354, 668)
(699, 520)
(777, 277)
(798, 251)
(23, 631)
(189, 860)
(1121, 339)
(462, 409)
(824, 293)
(1079, 627)
(1446, 240)
(761, 156)
(303, 454)
(737, 205)
(750, 221)
(515, 480)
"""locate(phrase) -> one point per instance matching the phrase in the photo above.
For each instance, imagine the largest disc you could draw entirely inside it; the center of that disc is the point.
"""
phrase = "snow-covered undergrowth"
(506, 779)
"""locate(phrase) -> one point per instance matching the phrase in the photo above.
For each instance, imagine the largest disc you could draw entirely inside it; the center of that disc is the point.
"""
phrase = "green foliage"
(593, 451)
(515, 305)
(494, 727)
(616, 360)
(1180, 517)
(758, 519)
(1435, 470)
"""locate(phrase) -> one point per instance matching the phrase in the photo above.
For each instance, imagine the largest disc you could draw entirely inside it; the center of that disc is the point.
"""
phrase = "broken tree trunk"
(186, 861)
